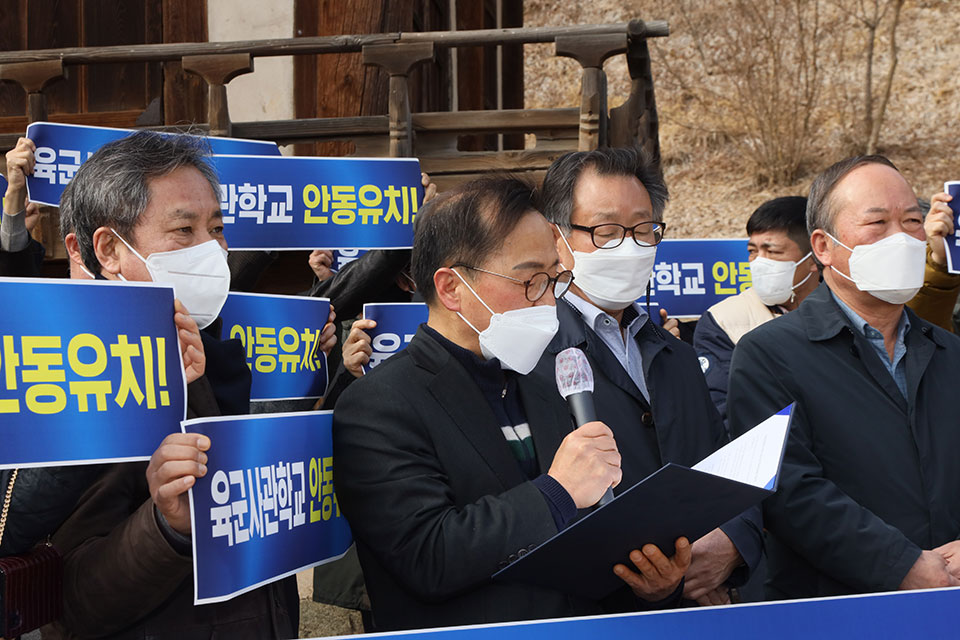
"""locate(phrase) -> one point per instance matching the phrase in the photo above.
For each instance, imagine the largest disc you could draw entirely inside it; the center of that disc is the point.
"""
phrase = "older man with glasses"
(606, 207)
(450, 461)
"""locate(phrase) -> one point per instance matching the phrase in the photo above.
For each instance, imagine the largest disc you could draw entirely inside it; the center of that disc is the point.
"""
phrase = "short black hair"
(466, 225)
(787, 214)
(556, 201)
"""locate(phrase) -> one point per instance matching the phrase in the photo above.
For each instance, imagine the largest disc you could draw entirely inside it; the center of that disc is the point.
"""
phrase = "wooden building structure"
(434, 79)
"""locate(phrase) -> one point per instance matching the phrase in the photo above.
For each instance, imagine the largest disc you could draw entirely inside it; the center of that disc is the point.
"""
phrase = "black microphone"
(575, 383)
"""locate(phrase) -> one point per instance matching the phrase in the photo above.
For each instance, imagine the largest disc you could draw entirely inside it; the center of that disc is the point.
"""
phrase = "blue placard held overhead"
(397, 323)
(281, 337)
(62, 148)
(89, 371)
(690, 276)
(310, 203)
(952, 241)
(266, 507)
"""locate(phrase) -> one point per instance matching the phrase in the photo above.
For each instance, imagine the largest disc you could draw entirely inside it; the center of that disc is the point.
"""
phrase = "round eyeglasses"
(538, 284)
(610, 235)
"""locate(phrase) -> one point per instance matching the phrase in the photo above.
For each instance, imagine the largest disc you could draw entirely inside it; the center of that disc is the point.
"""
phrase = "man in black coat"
(607, 209)
(134, 204)
(449, 462)
(869, 495)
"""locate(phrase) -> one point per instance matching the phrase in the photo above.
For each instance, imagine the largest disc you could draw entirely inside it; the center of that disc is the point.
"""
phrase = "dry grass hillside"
(713, 120)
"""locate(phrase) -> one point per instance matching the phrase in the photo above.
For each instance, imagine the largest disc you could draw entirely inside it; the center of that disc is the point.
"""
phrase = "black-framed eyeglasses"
(538, 284)
(645, 234)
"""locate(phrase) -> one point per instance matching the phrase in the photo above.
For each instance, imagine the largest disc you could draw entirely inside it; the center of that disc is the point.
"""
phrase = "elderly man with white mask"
(869, 496)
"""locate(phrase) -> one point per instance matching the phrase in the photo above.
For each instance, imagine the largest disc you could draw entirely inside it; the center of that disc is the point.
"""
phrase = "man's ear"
(107, 249)
(821, 245)
(566, 259)
(73, 248)
(447, 284)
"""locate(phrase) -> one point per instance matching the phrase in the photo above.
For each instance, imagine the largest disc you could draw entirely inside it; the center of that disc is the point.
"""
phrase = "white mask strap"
(839, 243)
(564, 238)
(462, 317)
(84, 269)
(835, 270)
(799, 284)
(135, 252)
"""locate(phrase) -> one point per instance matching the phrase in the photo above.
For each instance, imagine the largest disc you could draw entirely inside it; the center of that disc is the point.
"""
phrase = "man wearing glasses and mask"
(606, 207)
(450, 461)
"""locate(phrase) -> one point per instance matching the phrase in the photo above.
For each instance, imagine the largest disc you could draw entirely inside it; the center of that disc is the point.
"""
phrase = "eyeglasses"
(645, 234)
(538, 284)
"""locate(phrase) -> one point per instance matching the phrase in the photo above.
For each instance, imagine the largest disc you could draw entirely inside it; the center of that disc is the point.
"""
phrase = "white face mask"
(890, 269)
(773, 279)
(614, 278)
(517, 337)
(199, 275)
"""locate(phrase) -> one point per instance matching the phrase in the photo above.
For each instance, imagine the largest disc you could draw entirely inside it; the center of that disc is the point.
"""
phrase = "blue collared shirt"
(604, 325)
(896, 367)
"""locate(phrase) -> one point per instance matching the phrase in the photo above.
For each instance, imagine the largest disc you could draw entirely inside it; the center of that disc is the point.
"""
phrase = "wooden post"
(397, 60)
(635, 121)
(591, 51)
(218, 70)
(34, 77)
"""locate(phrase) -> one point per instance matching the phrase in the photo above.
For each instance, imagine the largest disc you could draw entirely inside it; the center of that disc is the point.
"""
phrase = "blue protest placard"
(266, 507)
(952, 241)
(690, 276)
(343, 257)
(904, 614)
(310, 203)
(89, 371)
(62, 148)
(281, 337)
(397, 323)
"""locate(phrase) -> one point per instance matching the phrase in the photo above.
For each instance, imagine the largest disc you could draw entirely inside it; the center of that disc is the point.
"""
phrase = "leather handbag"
(31, 584)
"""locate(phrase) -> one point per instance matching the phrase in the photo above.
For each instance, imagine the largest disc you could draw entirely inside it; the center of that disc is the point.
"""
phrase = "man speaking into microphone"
(606, 207)
(449, 461)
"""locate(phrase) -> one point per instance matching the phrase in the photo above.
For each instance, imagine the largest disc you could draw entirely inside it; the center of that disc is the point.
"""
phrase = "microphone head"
(573, 372)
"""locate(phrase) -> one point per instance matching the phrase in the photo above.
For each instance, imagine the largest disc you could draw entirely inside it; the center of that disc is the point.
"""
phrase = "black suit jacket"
(869, 477)
(680, 423)
(435, 498)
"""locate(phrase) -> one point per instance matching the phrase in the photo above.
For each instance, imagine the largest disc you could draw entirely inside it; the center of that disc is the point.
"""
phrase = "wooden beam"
(321, 44)
(218, 70)
(503, 121)
(397, 60)
(34, 77)
(591, 51)
(481, 162)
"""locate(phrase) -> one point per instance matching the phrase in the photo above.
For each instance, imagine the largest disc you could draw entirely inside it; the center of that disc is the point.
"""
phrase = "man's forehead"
(873, 189)
(600, 196)
(770, 237)
(530, 245)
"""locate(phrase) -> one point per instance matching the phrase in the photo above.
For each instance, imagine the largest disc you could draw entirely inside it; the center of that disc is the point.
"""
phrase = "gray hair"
(556, 201)
(821, 212)
(111, 189)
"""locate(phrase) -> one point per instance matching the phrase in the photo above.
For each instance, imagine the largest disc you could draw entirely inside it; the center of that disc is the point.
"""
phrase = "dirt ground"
(712, 192)
(317, 620)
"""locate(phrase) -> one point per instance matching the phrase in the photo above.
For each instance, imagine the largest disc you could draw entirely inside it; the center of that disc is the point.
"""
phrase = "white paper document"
(753, 458)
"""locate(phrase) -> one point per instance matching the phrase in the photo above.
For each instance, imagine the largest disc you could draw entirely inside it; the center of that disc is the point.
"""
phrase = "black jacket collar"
(457, 391)
(823, 318)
